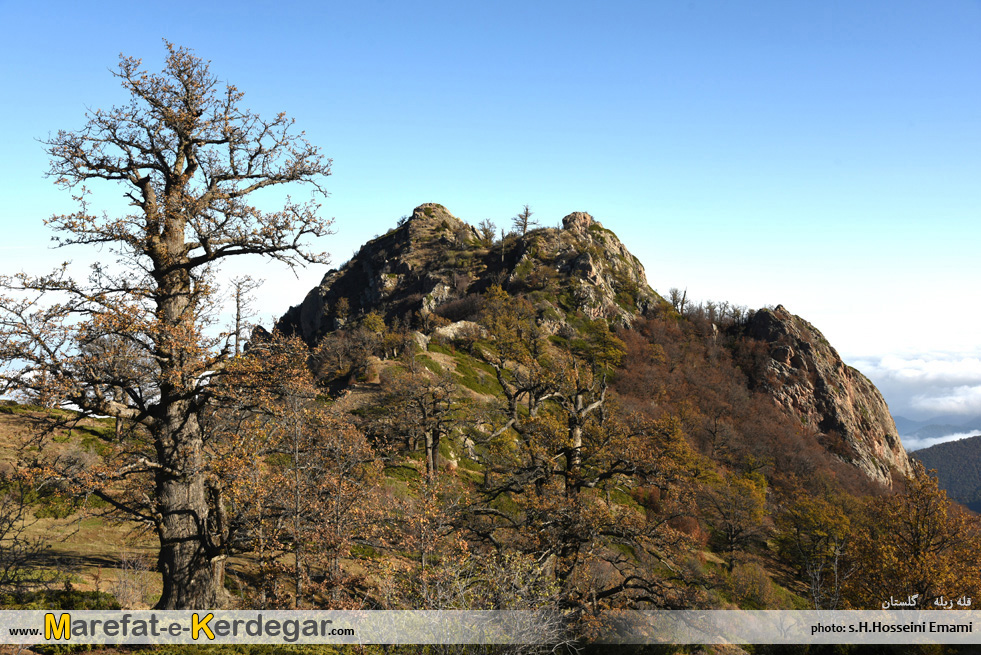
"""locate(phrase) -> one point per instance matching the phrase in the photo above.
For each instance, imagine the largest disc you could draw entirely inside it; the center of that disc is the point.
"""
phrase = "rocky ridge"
(433, 258)
(433, 261)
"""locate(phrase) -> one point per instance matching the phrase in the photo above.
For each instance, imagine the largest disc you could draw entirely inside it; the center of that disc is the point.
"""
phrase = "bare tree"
(425, 409)
(679, 299)
(242, 288)
(522, 222)
(188, 157)
(19, 570)
(134, 581)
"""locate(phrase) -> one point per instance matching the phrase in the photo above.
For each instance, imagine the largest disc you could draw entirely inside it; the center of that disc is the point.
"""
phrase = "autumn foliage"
(541, 456)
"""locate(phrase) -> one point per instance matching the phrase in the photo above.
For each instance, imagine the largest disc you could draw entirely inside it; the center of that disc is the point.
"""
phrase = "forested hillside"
(957, 465)
(471, 422)
(433, 271)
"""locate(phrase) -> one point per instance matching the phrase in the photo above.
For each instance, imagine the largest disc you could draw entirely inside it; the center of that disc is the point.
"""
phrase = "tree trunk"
(191, 579)
(432, 455)
(193, 568)
(577, 418)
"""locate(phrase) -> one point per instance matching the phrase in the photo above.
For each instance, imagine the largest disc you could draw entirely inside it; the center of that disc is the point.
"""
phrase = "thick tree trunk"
(191, 579)
(190, 561)
(191, 555)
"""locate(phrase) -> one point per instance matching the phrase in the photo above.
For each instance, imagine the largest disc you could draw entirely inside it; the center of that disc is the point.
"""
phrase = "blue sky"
(820, 155)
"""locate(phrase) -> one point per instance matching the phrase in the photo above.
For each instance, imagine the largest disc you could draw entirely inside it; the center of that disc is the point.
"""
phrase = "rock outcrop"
(433, 258)
(577, 221)
(806, 375)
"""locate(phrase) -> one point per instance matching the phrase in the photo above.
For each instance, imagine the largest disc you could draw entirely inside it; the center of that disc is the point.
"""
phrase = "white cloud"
(916, 443)
(927, 383)
(946, 368)
(958, 400)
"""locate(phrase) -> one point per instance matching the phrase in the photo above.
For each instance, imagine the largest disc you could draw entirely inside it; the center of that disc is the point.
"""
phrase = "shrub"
(751, 587)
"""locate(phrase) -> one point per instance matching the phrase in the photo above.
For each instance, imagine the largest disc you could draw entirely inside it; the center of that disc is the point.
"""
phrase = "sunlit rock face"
(806, 375)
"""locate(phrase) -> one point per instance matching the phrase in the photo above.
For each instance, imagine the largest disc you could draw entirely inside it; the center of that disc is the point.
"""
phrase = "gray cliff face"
(434, 258)
(806, 375)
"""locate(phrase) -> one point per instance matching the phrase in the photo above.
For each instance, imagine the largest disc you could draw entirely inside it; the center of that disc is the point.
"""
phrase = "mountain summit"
(433, 258)
(434, 269)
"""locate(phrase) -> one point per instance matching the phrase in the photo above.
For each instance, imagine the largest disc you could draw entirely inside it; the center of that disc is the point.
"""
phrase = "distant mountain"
(907, 426)
(958, 467)
(938, 426)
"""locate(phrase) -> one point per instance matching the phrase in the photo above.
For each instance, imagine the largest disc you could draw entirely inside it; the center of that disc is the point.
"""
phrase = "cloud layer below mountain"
(917, 443)
(926, 384)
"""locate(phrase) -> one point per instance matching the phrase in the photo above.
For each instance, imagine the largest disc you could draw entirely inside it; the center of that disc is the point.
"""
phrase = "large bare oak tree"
(188, 157)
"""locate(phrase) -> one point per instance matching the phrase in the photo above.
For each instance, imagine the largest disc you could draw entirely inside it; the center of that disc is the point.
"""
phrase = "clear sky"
(822, 155)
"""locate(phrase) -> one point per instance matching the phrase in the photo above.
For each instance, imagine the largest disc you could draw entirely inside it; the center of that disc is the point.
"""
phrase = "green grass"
(96, 444)
(506, 504)
(478, 381)
(13, 408)
(56, 506)
(439, 348)
(475, 375)
(364, 551)
(474, 477)
(626, 550)
(596, 227)
(60, 599)
(398, 488)
(524, 269)
(621, 497)
(471, 465)
(431, 364)
(403, 473)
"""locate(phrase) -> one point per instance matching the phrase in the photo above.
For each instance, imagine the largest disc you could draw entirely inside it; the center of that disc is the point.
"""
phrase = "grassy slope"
(85, 548)
(95, 550)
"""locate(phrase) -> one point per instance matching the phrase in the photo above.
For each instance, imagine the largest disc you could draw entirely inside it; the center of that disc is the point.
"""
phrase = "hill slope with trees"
(433, 268)
(451, 420)
(958, 468)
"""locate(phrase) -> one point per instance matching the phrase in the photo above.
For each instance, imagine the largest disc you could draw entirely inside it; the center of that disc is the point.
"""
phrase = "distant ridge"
(958, 467)
(938, 426)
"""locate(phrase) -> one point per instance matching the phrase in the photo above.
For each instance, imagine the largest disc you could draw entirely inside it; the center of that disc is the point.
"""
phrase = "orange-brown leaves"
(915, 542)
(298, 477)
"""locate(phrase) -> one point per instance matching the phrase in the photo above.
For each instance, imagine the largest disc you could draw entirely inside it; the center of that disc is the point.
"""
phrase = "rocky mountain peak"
(432, 215)
(434, 268)
(433, 258)
(806, 375)
(577, 221)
